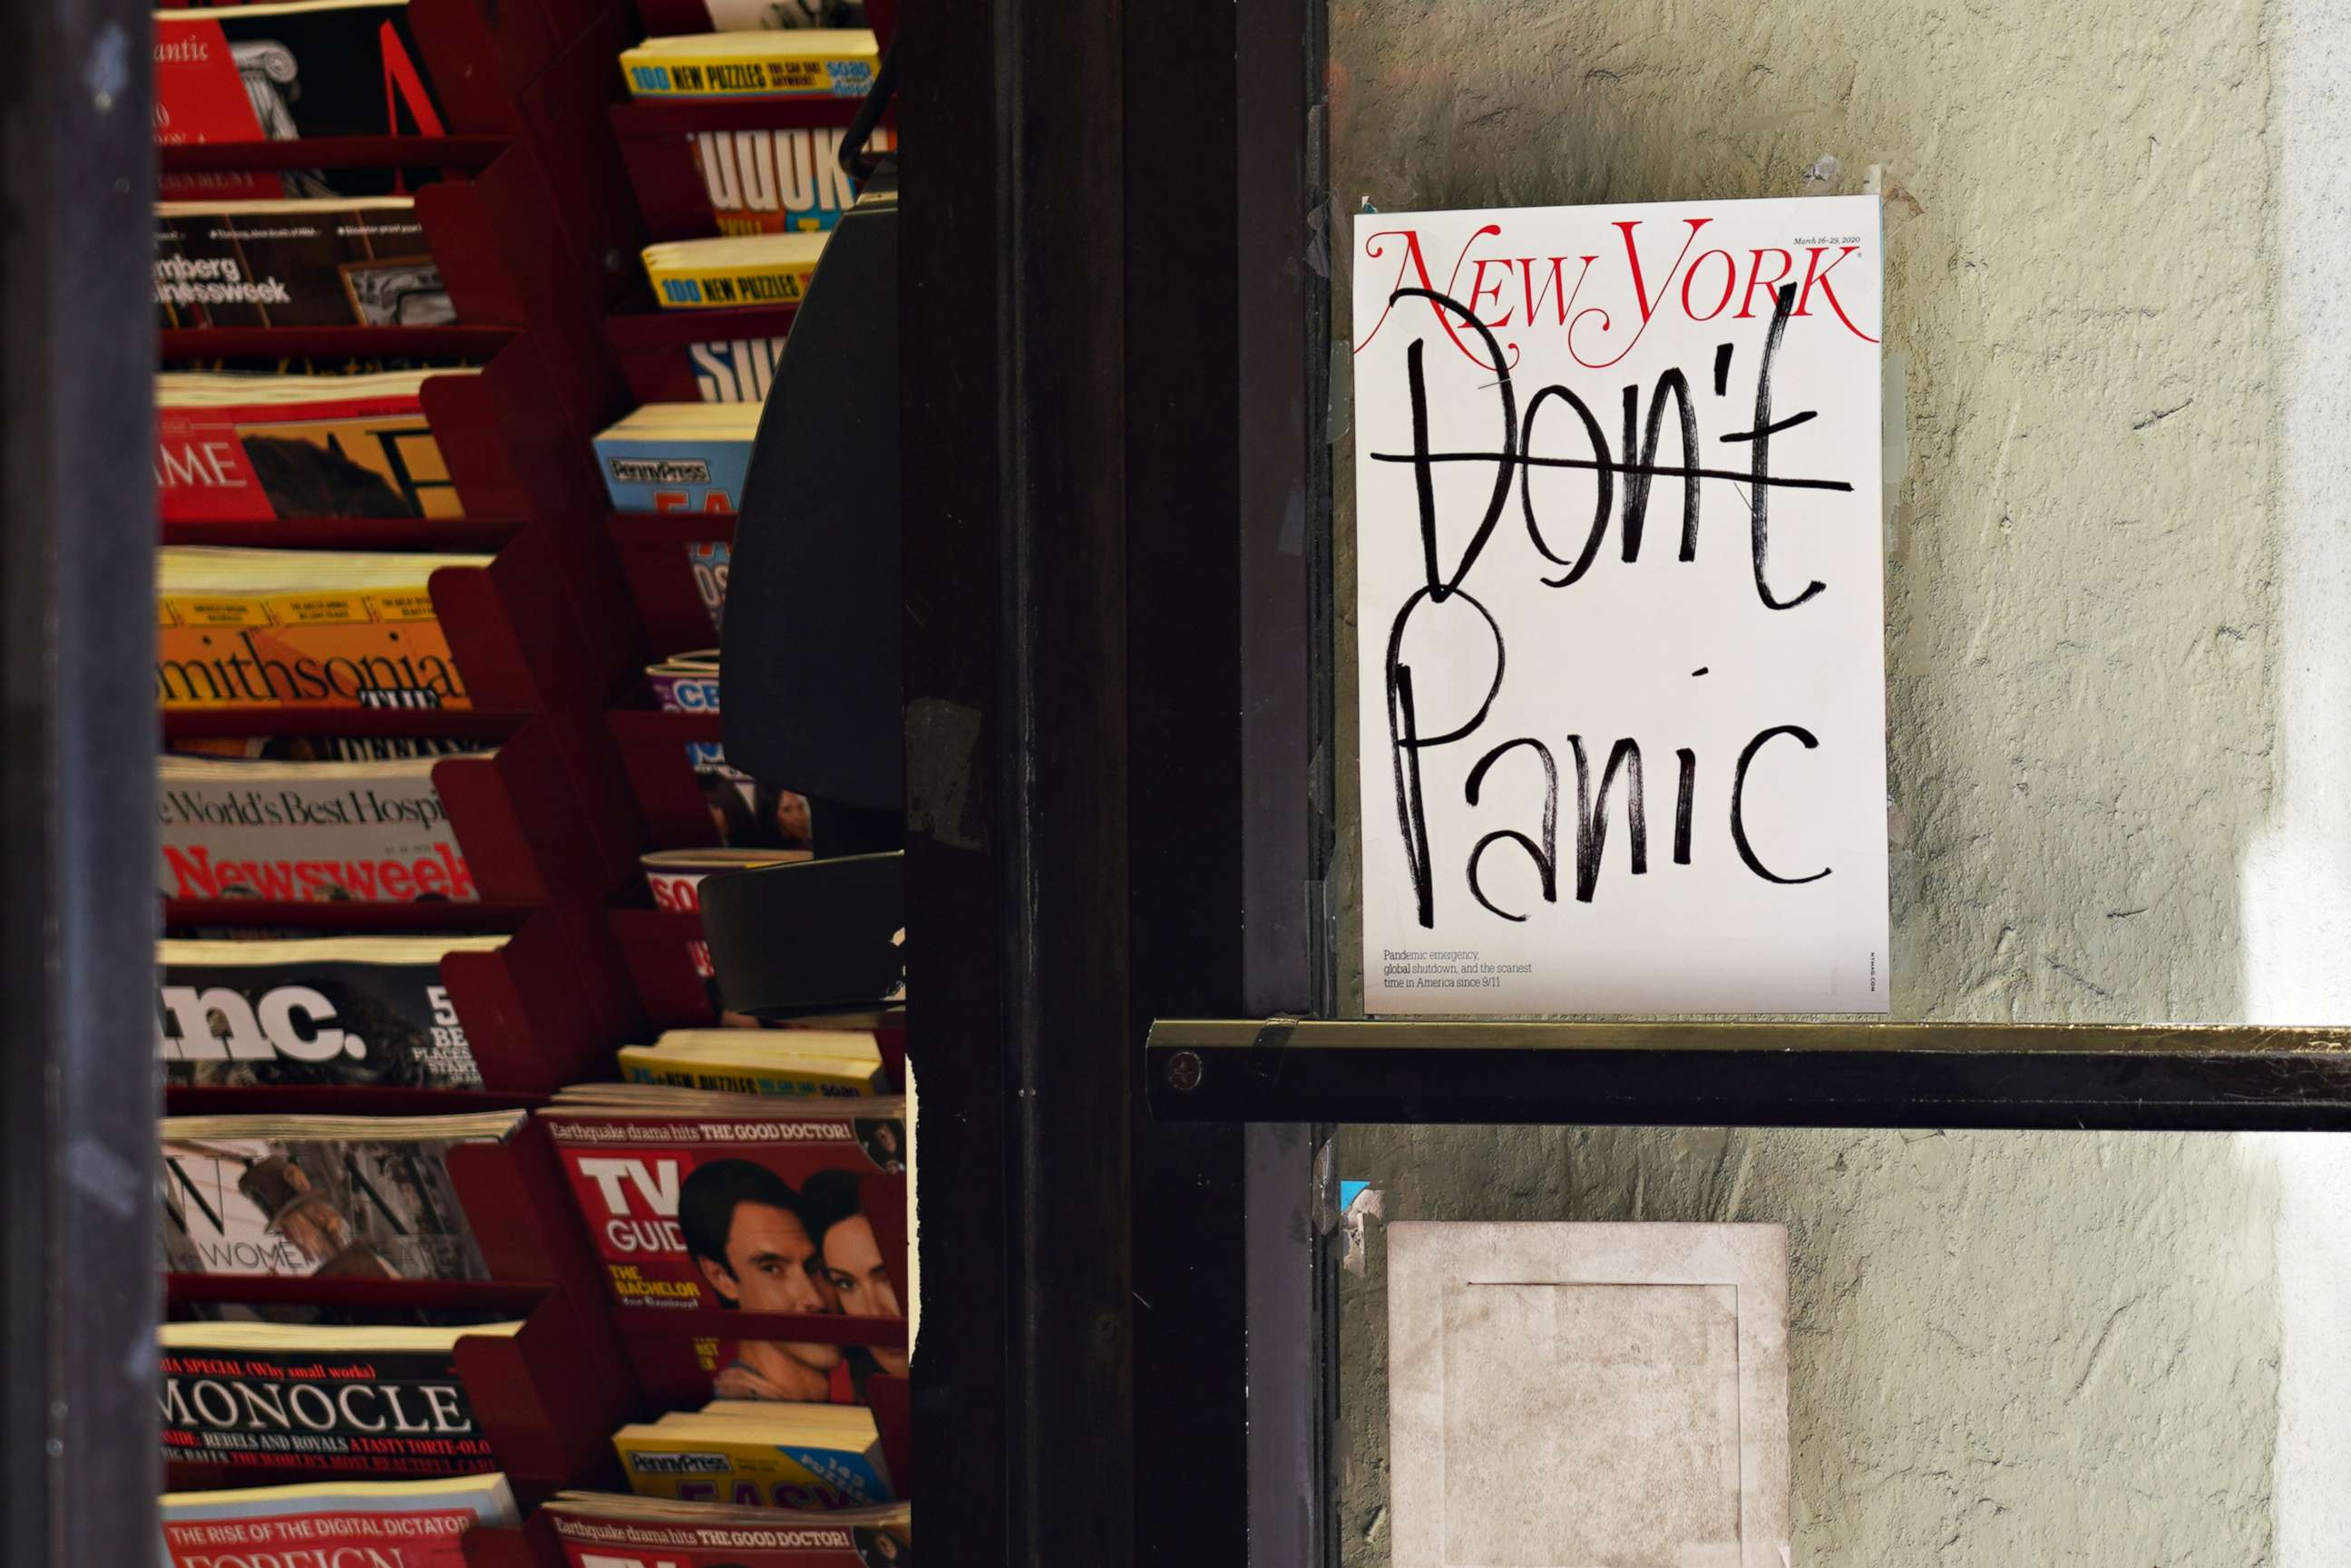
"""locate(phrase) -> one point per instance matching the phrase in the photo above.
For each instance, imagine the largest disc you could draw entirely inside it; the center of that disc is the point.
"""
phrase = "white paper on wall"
(1623, 728)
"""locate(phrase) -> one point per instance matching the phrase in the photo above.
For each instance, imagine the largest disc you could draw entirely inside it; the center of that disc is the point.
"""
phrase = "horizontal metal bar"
(1749, 1035)
(1382, 1074)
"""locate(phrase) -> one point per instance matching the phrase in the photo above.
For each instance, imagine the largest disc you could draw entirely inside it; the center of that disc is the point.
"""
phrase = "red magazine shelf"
(533, 1024)
(657, 947)
(725, 355)
(450, 154)
(334, 1100)
(655, 558)
(266, 718)
(178, 344)
(652, 748)
(342, 918)
(668, 529)
(453, 535)
(664, 16)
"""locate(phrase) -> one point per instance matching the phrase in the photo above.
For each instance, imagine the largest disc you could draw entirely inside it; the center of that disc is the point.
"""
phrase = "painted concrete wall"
(2119, 692)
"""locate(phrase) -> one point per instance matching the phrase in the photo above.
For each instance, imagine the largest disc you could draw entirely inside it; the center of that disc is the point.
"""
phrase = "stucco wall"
(2006, 1348)
(2119, 722)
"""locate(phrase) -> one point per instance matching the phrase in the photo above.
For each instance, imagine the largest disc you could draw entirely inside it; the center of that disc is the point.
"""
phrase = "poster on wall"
(1620, 608)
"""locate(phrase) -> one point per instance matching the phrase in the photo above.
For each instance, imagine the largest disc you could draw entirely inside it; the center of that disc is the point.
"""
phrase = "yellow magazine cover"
(758, 1462)
(798, 62)
(711, 274)
(236, 627)
(798, 1063)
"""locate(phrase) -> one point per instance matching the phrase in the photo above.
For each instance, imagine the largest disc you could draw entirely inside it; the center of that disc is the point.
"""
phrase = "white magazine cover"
(371, 833)
(1620, 608)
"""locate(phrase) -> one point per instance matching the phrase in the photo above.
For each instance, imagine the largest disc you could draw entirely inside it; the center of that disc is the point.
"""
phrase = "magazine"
(333, 1524)
(336, 261)
(679, 457)
(676, 876)
(327, 1010)
(238, 448)
(837, 1063)
(303, 628)
(776, 182)
(280, 72)
(347, 1401)
(362, 832)
(736, 1202)
(718, 274)
(600, 1530)
(759, 1456)
(801, 62)
(344, 1196)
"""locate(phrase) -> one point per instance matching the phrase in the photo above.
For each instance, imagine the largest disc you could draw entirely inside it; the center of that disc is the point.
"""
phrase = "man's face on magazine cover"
(769, 1255)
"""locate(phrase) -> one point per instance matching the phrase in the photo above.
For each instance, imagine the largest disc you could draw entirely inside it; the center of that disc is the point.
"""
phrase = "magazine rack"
(657, 946)
(527, 210)
(671, 195)
(652, 748)
(656, 349)
(654, 547)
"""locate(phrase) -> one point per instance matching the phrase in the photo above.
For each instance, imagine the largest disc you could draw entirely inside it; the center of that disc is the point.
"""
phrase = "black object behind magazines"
(811, 644)
(822, 936)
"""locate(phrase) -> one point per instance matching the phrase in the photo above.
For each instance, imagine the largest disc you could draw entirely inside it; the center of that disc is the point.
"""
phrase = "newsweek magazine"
(281, 72)
(750, 1204)
(239, 448)
(277, 1397)
(331, 262)
(340, 1196)
(361, 833)
(333, 1524)
(597, 1529)
(332, 1010)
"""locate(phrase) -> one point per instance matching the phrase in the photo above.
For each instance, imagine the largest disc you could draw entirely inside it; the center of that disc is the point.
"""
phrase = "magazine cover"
(347, 1524)
(280, 72)
(369, 832)
(233, 448)
(321, 1401)
(339, 261)
(597, 1530)
(709, 560)
(1514, 681)
(720, 274)
(776, 182)
(754, 1208)
(671, 457)
(793, 62)
(798, 1457)
(344, 1196)
(302, 629)
(327, 1011)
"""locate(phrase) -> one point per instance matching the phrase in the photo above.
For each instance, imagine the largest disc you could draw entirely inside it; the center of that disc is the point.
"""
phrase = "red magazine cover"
(368, 454)
(636, 1532)
(755, 1213)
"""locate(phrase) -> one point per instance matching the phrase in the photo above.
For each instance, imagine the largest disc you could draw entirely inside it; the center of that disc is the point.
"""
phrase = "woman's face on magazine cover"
(861, 1280)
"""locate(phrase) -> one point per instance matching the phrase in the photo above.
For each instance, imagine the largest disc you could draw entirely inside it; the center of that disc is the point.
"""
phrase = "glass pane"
(2001, 1348)
(2118, 672)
